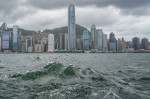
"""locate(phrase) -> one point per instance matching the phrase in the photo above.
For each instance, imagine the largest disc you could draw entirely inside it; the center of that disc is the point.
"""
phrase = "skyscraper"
(66, 41)
(105, 45)
(121, 45)
(5, 40)
(98, 40)
(112, 37)
(71, 28)
(51, 44)
(93, 33)
(86, 40)
(29, 47)
(15, 38)
(144, 43)
(93, 30)
(0, 42)
(113, 46)
(136, 43)
(19, 42)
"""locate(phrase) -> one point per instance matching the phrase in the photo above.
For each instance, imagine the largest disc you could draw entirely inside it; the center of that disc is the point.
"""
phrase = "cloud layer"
(127, 18)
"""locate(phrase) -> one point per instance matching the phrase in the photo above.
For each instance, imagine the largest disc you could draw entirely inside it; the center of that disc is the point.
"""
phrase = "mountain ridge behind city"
(55, 31)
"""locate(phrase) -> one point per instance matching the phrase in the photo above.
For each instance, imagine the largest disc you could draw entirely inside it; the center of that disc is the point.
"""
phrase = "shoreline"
(66, 52)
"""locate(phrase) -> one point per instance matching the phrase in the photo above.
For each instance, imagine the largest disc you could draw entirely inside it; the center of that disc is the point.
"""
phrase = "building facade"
(105, 44)
(5, 40)
(86, 40)
(51, 44)
(29, 47)
(136, 43)
(113, 45)
(15, 39)
(98, 40)
(144, 43)
(71, 28)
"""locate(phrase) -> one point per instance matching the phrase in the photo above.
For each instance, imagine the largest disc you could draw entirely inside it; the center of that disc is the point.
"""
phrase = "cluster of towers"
(95, 40)
(10, 40)
(98, 40)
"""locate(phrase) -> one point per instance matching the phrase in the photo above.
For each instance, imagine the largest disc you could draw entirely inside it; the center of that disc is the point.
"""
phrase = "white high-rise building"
(71, 28)
(51, 44)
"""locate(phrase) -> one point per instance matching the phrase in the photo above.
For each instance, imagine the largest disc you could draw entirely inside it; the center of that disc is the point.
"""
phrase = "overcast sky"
(126, 18)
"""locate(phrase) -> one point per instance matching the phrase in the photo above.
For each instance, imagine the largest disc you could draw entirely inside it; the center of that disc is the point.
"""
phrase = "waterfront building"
(79, 45)
(15, 38)
(23, 47)
(93, 34)
(129, 44)
(61, 43)
(112, 37)
(113, 45)
(144, 43)
(0, 42)
(121, 45)
(93, 31)
(86, 40)
(19, 42)
(71, 28)
(5, 40)
(51, 44)
(136, 43)
(38, 48)
(105, 45)
(98, 39)
(29, 47)
(66, 41)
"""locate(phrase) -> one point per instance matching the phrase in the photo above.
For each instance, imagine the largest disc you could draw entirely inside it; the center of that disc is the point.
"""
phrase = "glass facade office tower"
(5, 40)
(136, 43)
(0, 42)
(98, 40)
(15, 39)
(29, 47)
(86, 40)
(105, 45)
(51, 43)
(93, 30)
(71, 28)
(93, 34)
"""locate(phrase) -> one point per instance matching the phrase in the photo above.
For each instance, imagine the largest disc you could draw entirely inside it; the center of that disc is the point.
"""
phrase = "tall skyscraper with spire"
(71, 28)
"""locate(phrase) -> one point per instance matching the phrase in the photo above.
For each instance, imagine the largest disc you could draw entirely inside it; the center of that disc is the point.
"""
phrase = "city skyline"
(125, 18)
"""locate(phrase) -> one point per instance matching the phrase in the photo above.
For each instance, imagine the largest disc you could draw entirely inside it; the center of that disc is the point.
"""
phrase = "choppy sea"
(75, 76)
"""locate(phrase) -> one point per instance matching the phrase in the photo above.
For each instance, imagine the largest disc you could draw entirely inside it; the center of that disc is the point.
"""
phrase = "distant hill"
(79, 30)
(24, 32)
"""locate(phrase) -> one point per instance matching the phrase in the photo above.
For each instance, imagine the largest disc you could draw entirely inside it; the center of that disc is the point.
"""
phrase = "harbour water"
(76, 75)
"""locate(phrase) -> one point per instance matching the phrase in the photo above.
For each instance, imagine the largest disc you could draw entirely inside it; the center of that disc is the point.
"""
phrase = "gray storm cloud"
(120, 16)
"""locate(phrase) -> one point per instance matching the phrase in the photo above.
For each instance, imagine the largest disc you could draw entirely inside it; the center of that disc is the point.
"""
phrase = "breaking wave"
(58, 81)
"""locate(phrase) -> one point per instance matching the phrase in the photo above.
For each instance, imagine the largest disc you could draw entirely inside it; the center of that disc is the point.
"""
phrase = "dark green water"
(75, 76)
